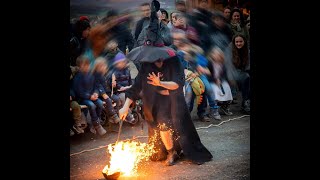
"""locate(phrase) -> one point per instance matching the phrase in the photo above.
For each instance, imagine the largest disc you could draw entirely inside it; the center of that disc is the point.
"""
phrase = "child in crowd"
(123, 78)
(99, 70)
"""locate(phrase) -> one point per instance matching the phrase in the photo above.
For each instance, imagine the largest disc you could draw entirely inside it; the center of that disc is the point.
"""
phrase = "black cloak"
(186, 137)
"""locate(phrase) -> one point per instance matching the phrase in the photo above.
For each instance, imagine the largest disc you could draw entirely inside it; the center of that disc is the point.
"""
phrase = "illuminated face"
(226, 13)
(239, 42)
(164, 16)
(102, 68)
(181, 21)
(84, 66)
(177, 37)
(159, 63)
(112, 46)
(146, 11)
(174, 19)
(203, 4)
(121, 64)
(236, 17)
(218, 21)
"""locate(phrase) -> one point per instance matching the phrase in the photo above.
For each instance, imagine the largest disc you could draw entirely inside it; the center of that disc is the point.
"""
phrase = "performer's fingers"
(150, 78)
(153, 74)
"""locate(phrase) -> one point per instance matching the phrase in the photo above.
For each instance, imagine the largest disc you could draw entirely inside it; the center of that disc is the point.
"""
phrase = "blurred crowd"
(212, 45)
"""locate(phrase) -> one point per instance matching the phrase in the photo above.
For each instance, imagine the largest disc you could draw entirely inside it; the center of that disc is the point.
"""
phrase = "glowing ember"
(125, 157)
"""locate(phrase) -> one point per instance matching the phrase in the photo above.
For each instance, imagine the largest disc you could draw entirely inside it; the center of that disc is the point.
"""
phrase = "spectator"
(78, 41)
(144, 21)
(123, 78)
(99, 70)
(87, 94)
(241, 61)
(164, 34)
(164, 16)
(219, 80)
(226, 13)
(238, 25)
(181, 6)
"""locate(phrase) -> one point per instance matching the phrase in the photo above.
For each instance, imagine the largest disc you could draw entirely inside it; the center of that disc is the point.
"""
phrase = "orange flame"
(125, 157)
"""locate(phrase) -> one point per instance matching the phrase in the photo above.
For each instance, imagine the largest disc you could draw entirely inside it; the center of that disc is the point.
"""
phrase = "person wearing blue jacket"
(87, 94)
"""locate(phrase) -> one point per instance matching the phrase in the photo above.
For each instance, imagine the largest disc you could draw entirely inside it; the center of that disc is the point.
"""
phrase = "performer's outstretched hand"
(155, 79)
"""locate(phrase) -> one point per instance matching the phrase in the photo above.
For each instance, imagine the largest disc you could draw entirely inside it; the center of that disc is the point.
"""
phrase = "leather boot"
(171, 157)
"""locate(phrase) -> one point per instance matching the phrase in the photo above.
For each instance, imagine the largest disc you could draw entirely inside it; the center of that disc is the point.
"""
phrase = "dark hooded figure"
(78, 41)
(160, 81)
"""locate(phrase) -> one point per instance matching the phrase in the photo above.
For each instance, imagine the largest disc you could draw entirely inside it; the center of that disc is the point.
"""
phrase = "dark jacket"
(100, 83)
(140, 25)
(72, 94)
(77, 43)
(108, 85)
(84, 86)
(77, 46)
(164, 34)
(123, 77)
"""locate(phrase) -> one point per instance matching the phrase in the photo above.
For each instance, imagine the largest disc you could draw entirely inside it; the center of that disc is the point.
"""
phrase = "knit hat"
(118, 58)
(84, 18)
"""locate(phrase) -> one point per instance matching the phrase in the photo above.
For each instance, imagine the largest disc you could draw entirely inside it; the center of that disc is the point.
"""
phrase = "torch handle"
(120, 127)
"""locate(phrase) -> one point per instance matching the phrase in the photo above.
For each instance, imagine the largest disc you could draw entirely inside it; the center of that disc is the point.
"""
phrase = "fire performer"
(160, 81)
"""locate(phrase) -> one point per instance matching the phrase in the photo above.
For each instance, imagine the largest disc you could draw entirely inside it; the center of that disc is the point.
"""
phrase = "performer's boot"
(167, 140)
(171, 157)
